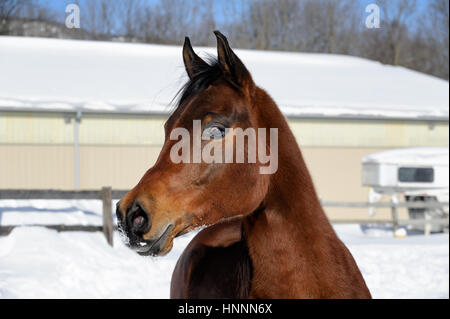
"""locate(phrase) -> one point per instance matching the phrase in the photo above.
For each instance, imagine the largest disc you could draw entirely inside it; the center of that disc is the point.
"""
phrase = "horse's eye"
(213, 132)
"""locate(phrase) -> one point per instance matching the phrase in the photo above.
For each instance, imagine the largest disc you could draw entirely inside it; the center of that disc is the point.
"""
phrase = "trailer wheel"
(419, 213)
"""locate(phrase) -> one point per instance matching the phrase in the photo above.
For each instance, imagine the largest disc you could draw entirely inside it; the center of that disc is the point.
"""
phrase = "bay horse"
(267, 235)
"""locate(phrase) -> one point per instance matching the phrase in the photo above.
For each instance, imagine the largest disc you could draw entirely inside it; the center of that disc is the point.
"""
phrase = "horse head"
(185, 189)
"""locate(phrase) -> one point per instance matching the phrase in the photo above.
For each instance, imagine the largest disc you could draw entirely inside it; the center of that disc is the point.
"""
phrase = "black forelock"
(204, 77)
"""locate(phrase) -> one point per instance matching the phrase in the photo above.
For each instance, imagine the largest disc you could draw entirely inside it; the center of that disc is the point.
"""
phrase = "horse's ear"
(232, 66)
(192, 62)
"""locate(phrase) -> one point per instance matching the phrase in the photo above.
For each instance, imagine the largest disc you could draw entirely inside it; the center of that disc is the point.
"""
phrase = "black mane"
(204, 77)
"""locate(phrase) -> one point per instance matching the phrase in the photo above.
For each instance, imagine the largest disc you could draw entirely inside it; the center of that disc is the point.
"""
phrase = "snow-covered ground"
(39, 263)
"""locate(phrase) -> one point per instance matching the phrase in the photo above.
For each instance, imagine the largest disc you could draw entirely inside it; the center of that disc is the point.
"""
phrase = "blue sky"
(60, 5)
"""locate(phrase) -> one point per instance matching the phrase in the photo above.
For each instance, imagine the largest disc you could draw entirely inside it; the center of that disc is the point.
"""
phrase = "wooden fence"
(106, 195)
(395, 221)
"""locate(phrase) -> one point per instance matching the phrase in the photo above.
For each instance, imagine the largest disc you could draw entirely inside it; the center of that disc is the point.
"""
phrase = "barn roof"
(412, 156)
(69, 75)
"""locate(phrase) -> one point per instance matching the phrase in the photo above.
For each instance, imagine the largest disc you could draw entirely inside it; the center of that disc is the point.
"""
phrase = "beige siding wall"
(34, 128)
(30, 128)
(336, 173)
(125, 130)
(36, 166)
(118, 166)
(365, 133)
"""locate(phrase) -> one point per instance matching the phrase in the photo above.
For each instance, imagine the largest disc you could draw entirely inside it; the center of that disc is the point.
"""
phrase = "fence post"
(394, 217)
(427, 225)
(106, 196)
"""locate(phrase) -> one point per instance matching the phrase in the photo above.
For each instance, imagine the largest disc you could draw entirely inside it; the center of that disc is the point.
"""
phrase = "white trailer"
(418, 174)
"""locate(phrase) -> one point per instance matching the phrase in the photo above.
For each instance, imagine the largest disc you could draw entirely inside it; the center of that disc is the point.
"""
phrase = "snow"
(414, 267)
(68, 75)
(411, 156)
(36, 262)
(40, 263)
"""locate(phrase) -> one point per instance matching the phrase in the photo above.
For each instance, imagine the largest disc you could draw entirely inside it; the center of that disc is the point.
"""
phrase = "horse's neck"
(291, 192)
(291, 222)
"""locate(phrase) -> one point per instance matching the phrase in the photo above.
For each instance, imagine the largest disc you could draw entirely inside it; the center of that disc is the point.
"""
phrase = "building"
(82, 114)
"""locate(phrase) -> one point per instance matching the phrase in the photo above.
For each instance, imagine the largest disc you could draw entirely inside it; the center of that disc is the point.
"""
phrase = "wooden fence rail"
(396, 223)
(106, 195)
(58, 194)
(429, 205)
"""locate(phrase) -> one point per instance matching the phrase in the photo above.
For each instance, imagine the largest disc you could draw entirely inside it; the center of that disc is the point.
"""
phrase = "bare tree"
(294, 25)
(397, 15)
(170, 21)
(129, 17)
(435, 37)
(100, 17)
(417, 39)
(9, 9)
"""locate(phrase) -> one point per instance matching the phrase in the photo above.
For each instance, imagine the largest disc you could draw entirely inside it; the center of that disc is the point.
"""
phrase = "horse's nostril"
(138, 219)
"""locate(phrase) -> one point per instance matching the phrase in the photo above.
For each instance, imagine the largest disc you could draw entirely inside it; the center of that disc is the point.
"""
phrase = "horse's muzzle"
(154, 247)
(137, 222)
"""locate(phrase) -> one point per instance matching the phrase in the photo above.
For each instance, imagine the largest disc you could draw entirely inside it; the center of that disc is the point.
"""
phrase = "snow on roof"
(411, 156)
(38, 73)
